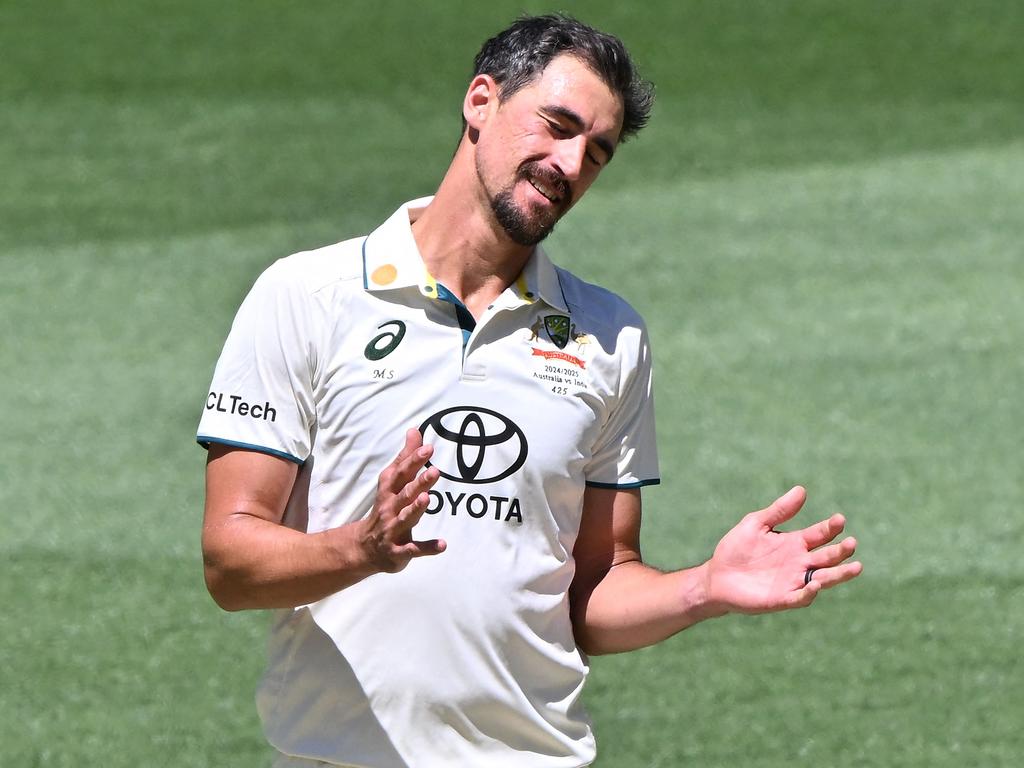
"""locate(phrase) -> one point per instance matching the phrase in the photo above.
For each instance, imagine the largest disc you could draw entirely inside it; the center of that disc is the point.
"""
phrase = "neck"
(462, 244)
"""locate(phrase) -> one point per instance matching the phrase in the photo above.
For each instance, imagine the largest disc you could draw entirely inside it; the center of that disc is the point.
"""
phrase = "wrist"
(346, 552)
(704, 603)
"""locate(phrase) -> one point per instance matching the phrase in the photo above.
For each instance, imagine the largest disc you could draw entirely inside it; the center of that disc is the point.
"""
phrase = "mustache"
(553, 179)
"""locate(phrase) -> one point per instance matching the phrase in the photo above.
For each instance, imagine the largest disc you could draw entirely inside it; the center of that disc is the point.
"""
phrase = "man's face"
(542, 147)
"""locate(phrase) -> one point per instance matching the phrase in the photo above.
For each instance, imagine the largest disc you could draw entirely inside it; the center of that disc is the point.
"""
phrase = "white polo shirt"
(466, 658)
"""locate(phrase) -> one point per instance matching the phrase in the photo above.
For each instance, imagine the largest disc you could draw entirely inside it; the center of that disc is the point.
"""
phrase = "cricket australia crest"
(557, 327)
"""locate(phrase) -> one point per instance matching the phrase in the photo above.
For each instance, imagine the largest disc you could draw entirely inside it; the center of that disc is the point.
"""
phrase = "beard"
(526, 225)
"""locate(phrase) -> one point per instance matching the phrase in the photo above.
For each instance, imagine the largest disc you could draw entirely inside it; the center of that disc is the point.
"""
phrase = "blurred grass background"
(822, 224)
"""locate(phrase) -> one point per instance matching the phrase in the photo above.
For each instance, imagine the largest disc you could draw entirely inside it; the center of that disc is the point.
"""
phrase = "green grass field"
(823, 226)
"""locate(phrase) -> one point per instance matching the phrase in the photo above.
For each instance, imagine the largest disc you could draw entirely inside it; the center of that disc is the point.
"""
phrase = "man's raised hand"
(386, 533)
(756, 569)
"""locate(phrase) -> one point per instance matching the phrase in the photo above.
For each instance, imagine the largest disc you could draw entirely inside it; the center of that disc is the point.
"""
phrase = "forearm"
(635, 605)
(619, 604)
(251, 563)
(252, 560)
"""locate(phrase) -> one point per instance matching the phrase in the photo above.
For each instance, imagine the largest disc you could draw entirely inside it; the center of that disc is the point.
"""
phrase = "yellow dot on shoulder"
(385, 274)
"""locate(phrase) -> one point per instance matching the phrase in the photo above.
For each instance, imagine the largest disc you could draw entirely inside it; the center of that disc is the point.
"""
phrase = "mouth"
(550, 186)
(546, 190)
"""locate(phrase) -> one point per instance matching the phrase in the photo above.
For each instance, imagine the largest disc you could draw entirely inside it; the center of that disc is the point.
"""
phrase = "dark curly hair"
(516, 56)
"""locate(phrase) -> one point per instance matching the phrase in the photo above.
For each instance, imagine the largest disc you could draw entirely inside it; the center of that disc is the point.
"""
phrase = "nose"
(569, 155)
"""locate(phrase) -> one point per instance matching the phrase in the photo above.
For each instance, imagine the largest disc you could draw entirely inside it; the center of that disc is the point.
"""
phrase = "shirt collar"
(390, 257)
(391, 260)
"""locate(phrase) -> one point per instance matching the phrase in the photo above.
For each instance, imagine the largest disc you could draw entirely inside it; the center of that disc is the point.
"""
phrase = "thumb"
(784, 507)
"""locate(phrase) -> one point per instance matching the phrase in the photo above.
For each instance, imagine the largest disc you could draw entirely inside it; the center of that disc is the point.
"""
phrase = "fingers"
(804, 596)
(783, 508)
(413, 440)
(424, 548)
(414, 500)
(830, 566)
(823, 532)
(410, 460)
(833, 554)
(826, 578)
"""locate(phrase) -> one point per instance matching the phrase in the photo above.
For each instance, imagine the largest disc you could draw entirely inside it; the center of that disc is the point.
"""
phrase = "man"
(437, 605)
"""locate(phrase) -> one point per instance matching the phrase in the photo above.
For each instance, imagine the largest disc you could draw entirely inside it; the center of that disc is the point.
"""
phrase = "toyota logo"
(474, 445)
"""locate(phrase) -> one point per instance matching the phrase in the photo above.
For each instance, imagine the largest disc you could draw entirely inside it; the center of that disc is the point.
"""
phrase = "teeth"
(550, 194)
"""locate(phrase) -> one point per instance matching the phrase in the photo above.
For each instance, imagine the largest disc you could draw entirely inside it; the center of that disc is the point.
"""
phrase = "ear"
(481, 98)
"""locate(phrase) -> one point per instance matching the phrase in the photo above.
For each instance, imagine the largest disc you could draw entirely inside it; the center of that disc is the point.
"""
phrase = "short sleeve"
(625, 454)
(261, 396)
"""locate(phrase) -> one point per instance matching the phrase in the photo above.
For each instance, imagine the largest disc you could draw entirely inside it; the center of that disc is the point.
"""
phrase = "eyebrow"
(571, 116)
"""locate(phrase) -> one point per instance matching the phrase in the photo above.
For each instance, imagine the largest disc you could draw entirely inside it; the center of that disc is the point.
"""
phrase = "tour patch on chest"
(559, 353)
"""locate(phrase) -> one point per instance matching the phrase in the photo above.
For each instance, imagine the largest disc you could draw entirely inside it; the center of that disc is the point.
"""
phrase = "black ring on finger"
(808, 575)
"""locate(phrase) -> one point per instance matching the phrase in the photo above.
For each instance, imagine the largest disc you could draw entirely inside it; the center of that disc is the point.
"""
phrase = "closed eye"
(564, 122)
(557, 128)
(563, 132)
